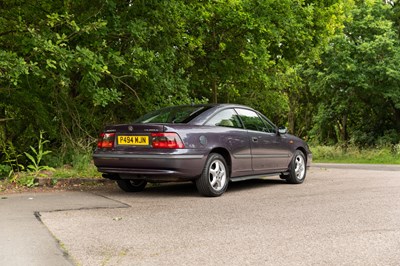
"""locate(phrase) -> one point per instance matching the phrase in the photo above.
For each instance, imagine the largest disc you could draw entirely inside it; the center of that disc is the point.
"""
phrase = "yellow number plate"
(133, 140)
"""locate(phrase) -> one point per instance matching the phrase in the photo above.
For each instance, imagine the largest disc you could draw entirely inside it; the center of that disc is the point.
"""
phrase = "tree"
(70, 67)
(357, 82)
(248, 51)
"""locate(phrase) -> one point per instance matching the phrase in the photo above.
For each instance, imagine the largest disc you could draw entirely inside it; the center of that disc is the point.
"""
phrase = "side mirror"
(282, 130)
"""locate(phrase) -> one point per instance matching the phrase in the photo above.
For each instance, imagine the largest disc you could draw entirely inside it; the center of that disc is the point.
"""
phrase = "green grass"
(26, 178)
(90, 171)
(336, 154)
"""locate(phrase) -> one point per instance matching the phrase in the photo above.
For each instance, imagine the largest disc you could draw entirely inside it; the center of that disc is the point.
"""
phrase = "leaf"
(46, 152)
(47, 168)
(30, 157)
(51, 63)
(33, 168)
(34, 150)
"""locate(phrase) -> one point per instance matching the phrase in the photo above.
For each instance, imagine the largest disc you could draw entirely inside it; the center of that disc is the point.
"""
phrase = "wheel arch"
(227, 156)
(303, 151)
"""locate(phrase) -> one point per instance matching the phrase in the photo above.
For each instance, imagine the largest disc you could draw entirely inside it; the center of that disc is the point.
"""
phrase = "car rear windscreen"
(177, 114)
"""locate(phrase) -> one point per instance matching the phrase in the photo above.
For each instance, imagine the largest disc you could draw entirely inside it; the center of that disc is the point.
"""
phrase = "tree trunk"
(292, 110)
(397, 118)
(3, 128)
(214, 91)
(291, 118)
(343, 130)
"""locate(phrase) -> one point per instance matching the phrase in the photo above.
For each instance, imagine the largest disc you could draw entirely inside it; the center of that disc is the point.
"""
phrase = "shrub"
(5, 170)
(352, 154)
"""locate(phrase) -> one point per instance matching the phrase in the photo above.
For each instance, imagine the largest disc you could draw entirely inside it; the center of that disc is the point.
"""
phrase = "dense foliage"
(329, 70)
(357, 83)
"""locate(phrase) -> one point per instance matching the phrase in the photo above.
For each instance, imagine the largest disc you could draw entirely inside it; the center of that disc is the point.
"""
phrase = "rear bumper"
(152, 167)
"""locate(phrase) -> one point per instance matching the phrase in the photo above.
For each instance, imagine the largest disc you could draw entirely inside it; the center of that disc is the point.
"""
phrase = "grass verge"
(337, 154)
(57, 177)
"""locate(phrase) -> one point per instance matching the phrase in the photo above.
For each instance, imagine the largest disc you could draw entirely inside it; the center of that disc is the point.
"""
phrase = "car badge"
(130, 128)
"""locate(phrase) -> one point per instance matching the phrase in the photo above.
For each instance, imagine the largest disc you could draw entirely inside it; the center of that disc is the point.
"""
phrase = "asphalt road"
(339, 216)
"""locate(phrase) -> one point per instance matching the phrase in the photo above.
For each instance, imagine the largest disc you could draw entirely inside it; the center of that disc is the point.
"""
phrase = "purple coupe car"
(209, 144)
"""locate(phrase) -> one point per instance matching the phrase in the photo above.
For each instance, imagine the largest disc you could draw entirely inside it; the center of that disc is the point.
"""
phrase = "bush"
(352, 154)
(389, 138)
(326, 152)
(396, 150)
(5, 171)
(363, 139)
(81, 161)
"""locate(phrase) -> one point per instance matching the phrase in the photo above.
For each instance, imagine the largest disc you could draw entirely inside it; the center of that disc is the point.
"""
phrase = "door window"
(269, 127)
(251, 120)
(225, 118)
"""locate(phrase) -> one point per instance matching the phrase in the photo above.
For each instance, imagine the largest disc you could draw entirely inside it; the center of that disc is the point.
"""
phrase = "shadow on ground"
(188, 189)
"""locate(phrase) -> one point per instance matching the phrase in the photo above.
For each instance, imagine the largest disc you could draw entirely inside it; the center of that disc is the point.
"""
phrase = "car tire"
(214, 179)
(297, 169)
(129, 185)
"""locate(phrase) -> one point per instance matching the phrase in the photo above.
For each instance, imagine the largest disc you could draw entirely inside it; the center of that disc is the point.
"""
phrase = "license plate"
(133, 140)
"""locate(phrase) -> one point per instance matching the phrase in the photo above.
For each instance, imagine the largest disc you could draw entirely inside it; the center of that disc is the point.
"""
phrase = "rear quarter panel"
(206, 139)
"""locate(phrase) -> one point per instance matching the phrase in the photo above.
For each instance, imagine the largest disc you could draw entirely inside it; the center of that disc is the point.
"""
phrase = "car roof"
(213, 109)
(216, 105)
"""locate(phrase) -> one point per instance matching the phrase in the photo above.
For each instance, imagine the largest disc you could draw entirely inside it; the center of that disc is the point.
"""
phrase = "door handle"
(254, 139)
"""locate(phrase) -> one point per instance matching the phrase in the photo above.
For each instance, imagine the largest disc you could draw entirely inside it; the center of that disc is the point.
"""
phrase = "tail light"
(166, 141)
(106, 140)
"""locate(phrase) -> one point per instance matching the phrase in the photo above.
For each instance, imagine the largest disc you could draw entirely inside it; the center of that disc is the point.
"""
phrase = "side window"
(251, 120)
(225, 118)
(269, 127)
